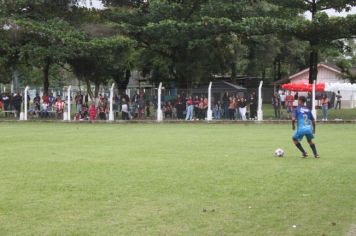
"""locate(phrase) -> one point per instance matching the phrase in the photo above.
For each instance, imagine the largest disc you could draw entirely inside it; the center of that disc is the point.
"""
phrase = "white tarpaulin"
(347, 90)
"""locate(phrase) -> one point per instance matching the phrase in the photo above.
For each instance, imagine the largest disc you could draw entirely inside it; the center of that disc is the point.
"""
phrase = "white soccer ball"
(279, 152)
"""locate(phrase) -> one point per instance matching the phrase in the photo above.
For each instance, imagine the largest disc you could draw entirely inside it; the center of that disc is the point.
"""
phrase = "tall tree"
(322, 30)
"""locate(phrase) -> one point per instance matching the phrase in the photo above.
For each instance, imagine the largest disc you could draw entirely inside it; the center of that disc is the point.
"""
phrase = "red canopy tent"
(304, 87)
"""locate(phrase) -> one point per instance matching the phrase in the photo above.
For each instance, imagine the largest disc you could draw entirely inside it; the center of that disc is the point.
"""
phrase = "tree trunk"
(314, 53)
(96, 92)
(46, 77)
(313, 65)
(279, 68)
(90, 92)
(122, 80)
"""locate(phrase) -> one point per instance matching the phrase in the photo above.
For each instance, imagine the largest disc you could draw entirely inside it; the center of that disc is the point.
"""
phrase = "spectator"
(201, 109)
(190, 109)
(325, 106)
(309, 100)
(37, 102)
(179, 107)
(237, 112)
(141, 107)
(92, 112)
(253, 105)
(51, 100)
(59, 107)
(79, 102)
(289, 104)
(226, 103)
(283, 99)
(218, 110)
(124, 110)
(232, 107)
(45, 98)
(102, 110)
(84, 112)
(44, 110)
(196, 107)
(276, 102)
(1, 103)
(6, 102)
(338, 100)
(168, 111)
(148, 111)
(17, 101)
(242, 107)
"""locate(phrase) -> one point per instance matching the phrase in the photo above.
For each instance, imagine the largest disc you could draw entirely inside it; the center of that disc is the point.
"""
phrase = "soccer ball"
(279, 152)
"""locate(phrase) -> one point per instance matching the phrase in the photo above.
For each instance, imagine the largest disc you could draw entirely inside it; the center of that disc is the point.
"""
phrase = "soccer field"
(174, 179)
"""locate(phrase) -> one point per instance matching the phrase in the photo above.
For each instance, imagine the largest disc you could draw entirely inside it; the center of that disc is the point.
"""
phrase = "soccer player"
(305, 127)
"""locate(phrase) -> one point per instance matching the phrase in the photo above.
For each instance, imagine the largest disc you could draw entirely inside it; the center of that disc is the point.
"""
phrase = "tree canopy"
(175, 41)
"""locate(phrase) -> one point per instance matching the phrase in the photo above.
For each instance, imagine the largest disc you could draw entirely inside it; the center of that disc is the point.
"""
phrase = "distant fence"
(143, 104)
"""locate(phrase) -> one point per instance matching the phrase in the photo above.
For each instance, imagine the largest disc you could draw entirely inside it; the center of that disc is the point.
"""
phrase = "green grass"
(186, 179)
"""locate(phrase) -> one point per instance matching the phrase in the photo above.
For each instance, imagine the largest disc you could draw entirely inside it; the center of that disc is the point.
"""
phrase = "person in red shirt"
(59, 108)
(92, 112)
(45, 98)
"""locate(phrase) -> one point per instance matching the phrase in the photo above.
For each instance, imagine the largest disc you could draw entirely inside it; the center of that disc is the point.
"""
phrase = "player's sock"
(313, 147)
(299, 146)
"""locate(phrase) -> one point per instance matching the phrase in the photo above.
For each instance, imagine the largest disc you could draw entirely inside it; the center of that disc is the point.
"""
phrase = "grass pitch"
(186, 179)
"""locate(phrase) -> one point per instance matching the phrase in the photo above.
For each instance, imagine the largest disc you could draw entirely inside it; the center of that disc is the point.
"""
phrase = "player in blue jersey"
(305, 127)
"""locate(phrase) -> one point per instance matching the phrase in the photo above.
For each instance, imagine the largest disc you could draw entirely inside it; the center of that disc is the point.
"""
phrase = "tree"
(49, 32)
(322, 30)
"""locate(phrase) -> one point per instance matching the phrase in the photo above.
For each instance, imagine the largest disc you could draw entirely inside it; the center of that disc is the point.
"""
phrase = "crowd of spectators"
(11, 104)
(233, 106)
(287, 100)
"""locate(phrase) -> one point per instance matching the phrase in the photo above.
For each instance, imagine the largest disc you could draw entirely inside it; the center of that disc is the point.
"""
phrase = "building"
(326, 74)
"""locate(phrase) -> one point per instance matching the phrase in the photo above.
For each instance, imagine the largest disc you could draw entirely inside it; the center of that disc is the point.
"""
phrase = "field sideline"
(174, 179)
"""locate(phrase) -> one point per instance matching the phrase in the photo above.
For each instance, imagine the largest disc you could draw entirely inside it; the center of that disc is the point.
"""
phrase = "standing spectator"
(148, 111)
(45, 98)
(217, 110)
(79, 102)
(196, 107)
(309, 100)
(102, 110)
(253, 105)
(44, 110)
(125, 110)
(179, 107)
(338, 100)
(283, 99)
(237, 112)
(59, 107)
(6, 102)
(190, 108)
(37, 102)
(276, 102)
(141, 107)
(51, 100)
(232, 107)
(226, 103)
(242, 107)
(92, 112)
(325, 106)
(17, 101)
(205, 108)
(289, 104)
(1, 104)
(167, 109)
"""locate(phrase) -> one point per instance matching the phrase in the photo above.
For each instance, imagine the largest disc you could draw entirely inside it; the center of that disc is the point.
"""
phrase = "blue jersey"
(304, 118)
